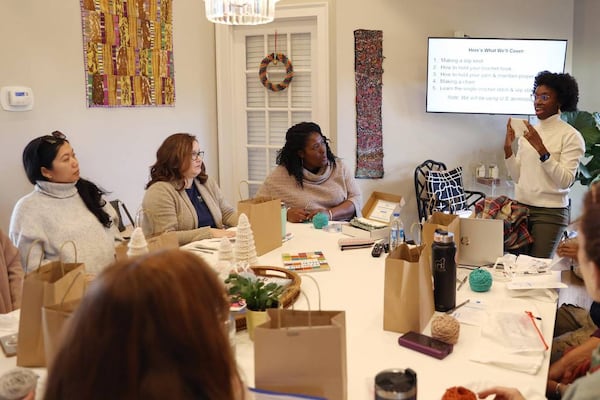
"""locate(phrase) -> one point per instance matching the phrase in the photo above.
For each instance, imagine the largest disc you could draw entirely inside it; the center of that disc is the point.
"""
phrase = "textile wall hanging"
(128, 52)
(368, 60)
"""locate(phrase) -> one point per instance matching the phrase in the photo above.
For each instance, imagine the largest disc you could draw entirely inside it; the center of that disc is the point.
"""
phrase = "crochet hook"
(450, 311)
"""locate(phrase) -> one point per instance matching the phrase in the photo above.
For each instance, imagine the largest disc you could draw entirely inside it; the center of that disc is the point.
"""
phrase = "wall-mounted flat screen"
(488, 76)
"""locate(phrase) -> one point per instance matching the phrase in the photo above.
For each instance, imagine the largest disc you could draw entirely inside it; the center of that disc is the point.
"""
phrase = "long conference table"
(355, 284)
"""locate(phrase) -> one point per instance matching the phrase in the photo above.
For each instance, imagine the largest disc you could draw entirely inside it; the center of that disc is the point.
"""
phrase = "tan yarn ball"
(445, 328)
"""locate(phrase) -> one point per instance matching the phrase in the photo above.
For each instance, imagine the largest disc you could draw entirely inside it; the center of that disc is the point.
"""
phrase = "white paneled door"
(253, 120)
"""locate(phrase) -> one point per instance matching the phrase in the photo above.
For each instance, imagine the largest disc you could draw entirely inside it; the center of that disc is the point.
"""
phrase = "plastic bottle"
(443, 267)
(396, 231)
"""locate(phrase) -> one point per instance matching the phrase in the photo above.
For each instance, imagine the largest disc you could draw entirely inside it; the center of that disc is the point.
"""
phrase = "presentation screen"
(488, 76)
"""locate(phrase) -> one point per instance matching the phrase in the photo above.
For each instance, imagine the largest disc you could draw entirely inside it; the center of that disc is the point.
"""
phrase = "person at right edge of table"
(546, 160)
(586, 387)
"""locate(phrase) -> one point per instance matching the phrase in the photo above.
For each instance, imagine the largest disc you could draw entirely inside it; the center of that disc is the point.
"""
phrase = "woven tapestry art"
(368, 60)
(128, 52)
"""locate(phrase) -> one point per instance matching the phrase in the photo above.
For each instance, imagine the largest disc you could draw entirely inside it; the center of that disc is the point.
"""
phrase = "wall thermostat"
(16, 98)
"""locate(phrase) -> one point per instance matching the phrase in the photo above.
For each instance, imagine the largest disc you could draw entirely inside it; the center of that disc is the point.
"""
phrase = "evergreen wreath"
(289, 69)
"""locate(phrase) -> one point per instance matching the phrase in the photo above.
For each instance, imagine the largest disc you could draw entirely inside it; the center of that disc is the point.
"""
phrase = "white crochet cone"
(244, 248)
(137, 244)
(226, 250)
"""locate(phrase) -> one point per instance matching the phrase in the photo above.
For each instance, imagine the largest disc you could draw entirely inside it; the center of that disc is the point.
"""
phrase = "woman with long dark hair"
(310, 179)
(62, 207)
(181, 197)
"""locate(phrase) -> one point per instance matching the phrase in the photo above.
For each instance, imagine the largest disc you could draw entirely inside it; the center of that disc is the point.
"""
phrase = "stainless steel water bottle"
(443, 252)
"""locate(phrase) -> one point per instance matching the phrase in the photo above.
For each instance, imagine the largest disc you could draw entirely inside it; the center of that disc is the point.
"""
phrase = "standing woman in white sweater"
(62, 207)
(546, 161)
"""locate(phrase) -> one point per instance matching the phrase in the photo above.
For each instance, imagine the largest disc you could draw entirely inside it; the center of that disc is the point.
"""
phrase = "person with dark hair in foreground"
(310, 179)
(150, 327)
(63, 207)
(587, 387)
(546, 161)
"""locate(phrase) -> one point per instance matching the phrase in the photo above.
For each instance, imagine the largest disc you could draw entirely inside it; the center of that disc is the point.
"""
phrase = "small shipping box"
(377, 212)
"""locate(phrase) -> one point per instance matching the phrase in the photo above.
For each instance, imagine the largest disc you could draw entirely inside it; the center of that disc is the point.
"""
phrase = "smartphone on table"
(425, 344)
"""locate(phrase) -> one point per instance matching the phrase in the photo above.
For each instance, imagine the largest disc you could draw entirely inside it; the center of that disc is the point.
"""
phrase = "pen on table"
(462, 282)
(450, 311)
(203, 251)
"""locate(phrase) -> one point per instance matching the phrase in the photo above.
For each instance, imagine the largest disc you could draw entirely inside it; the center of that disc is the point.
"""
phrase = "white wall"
(410, 135)
(41, 47)
(116, 146)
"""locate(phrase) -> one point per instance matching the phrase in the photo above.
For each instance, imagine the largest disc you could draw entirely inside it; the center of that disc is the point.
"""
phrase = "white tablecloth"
(355, 284)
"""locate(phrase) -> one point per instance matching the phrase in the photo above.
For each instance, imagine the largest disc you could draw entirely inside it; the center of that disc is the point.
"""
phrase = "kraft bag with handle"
(439, 220)
(54, 318)
(302, 352)
(408, 289)
(47, 285)
(264, 215)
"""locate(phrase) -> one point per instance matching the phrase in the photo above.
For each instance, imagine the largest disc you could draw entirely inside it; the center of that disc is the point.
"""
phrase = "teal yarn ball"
(480, 280)
(320, 220)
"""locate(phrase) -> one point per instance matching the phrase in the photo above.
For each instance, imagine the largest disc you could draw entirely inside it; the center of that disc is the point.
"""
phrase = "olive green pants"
(546, 226)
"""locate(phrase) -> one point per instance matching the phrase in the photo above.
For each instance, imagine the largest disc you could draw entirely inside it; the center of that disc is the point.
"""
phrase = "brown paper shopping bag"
(408, 289)
(264, 215)
(54, 319)
(47, 285)
(439, 220)
(302, 352)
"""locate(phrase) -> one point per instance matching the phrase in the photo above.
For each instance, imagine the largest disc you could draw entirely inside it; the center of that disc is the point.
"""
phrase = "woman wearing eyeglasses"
(181, 197)
(546, 160)
(62, 207)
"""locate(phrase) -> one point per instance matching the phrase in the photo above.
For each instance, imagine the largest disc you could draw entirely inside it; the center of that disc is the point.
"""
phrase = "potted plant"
(257, 294)
(588, 124)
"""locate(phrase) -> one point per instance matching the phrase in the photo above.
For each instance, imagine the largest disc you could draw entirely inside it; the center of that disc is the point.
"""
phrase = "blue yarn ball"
(320, 220)
(480, 280)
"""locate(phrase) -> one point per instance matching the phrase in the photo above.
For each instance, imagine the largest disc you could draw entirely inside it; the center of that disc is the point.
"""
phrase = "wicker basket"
(288, 297)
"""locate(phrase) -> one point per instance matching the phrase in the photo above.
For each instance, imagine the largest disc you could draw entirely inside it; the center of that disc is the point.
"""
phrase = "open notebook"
(481, 241)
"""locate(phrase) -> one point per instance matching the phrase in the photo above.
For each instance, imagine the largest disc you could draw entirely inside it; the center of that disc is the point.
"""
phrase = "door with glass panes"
(262, 116)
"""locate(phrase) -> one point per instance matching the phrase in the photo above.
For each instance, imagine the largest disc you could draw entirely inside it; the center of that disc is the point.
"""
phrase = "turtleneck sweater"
(329, 187)
(546, 184)
(54, 214)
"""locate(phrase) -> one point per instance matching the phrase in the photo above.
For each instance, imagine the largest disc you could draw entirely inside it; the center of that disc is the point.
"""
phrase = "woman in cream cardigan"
(181, 197)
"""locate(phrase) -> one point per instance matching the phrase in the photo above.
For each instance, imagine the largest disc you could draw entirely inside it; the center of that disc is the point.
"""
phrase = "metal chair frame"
(425, 203)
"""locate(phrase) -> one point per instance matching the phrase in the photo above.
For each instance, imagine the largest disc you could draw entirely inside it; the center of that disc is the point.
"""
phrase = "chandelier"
(240, 12)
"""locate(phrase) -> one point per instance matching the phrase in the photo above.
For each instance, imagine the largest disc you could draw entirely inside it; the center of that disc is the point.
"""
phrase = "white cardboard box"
(379, 208)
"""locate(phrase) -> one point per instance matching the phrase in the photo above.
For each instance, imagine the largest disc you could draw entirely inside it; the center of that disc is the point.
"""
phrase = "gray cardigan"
(172, 210)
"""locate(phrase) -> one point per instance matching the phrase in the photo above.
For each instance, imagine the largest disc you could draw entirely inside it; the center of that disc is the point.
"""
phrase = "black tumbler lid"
(396, 383)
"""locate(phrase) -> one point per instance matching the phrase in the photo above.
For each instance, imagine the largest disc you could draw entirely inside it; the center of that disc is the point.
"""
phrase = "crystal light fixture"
(240, 12)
